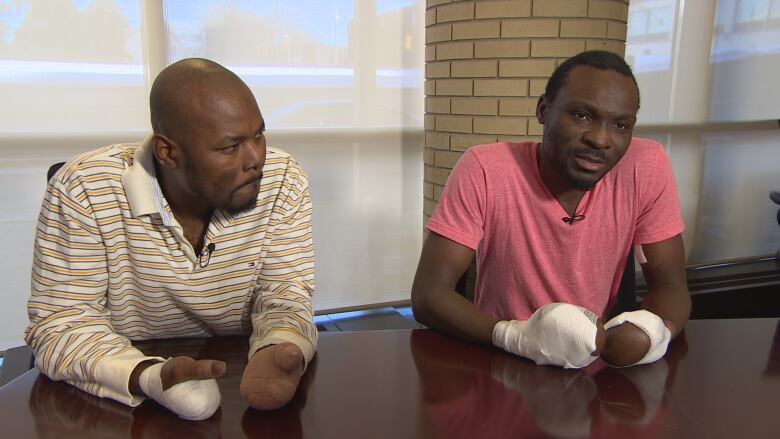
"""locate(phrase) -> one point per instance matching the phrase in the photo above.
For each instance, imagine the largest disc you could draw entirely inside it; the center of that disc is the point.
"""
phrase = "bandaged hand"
(194, 399)
(652, 325)
(558, 333)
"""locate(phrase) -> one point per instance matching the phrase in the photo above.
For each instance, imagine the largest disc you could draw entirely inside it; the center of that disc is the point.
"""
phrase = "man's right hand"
(178, 370)
(558, 333)
(181, 369)
(185, 386)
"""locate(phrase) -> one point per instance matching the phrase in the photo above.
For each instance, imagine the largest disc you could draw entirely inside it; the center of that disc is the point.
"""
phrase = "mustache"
(252, 179)
(248, 181)
(595, 155)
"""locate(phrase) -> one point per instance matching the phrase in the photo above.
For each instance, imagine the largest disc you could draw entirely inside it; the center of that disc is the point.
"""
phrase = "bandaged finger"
(192, 400)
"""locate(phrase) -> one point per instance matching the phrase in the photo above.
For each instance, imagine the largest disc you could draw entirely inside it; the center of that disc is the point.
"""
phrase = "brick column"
(487, 63)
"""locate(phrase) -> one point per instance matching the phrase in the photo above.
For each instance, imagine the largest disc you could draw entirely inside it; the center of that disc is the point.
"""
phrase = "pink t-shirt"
(527, 256)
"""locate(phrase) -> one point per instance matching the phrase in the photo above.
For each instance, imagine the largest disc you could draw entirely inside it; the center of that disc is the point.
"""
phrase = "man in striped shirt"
(200, 231)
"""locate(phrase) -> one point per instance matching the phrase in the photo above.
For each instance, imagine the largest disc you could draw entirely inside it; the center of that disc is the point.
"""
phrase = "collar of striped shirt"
(144, 194)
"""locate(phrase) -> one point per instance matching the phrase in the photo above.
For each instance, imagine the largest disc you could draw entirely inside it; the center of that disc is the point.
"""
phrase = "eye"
(622, 126)
(259, 135)
(581, 115)
(230, 149)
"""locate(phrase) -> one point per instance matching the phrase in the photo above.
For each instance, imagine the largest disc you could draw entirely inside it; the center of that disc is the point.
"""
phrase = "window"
(713, 103)
(340, 83)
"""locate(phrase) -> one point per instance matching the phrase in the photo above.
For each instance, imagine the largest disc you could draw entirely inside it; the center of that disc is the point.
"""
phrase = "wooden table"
(721, 378)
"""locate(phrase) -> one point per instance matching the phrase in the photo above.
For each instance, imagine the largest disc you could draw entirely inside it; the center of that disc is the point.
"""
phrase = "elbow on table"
(421, 306)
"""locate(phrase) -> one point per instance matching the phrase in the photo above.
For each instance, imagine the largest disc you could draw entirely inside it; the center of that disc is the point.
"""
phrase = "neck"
(186, 207)
(567, 196)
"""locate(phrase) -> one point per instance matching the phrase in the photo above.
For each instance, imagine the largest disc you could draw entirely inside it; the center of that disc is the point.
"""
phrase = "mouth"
(253, 182)
(589, 162)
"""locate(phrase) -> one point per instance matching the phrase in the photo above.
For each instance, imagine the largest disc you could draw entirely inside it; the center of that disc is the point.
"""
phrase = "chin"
(246, 206)
(582, 183)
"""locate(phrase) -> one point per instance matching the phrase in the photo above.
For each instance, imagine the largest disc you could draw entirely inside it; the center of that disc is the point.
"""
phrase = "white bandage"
(557, 333)
(193, 400)
(652, 325)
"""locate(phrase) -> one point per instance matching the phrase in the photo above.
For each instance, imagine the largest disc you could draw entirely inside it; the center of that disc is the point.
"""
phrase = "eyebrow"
(591, 109)
(236, 139)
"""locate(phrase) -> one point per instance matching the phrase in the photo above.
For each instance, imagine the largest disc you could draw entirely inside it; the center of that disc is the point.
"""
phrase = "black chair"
(775, 196)
(53, 170)
(21, 359)
(626, 295)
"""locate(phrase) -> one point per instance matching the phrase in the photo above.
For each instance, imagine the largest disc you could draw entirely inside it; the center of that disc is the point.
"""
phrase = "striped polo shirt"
(111, 264)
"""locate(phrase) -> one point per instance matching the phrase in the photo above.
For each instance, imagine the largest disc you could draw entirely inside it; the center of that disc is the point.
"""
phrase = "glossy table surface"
(721, 378)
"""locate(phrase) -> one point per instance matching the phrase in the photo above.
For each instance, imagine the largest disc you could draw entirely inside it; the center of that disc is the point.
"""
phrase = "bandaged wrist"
(193, 400)
(557, 333)
(650, 324)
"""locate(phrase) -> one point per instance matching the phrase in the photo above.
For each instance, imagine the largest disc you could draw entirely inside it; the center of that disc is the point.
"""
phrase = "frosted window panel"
(24, 160)
(649, 50)
(745, 59)
(22, 185)
(71, 66)
(736, 216)
(752, 10)
(367, 218)
(313, 63)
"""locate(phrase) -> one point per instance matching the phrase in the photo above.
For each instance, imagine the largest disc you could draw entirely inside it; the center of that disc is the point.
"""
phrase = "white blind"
(746, 61)
(71, 66)
(313, 63)
(699, 64)
(340, 83)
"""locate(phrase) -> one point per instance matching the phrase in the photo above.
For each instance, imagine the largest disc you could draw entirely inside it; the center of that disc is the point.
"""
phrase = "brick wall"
(487, 63)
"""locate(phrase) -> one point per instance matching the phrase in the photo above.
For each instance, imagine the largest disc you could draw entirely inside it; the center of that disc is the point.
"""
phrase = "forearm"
(672, 304)
(283, 313)
(447, 311)
(667, 286)
(98, 363)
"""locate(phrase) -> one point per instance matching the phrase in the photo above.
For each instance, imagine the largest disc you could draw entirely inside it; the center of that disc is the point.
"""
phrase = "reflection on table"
(719, 379)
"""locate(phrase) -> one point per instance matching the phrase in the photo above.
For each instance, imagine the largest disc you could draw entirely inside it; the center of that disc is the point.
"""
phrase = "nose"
(254, 154)
(597, 136)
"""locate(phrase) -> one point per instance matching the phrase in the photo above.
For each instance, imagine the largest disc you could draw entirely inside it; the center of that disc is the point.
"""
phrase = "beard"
(581, 183)
(195, 181)
(587, 181)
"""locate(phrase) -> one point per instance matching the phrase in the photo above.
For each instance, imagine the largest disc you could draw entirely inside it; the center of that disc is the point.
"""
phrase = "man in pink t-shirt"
(552, 225)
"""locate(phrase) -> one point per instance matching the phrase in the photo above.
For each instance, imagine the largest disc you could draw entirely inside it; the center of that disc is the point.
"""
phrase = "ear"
(166, 151)
(541, 109)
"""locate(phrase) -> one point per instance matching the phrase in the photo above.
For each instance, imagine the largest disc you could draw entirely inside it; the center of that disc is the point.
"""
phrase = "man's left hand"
(636, 337)
(272, 375)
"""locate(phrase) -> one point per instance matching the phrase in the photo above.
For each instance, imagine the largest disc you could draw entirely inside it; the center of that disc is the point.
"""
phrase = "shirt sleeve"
(659, 209)
(282, 310)
(70, 331)
(460, 212)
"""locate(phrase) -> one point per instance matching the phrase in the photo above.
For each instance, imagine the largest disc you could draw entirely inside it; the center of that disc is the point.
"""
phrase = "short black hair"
(599, 59)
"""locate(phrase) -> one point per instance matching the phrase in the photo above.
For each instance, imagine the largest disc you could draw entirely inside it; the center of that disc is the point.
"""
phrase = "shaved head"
(187, 91)
(209, 143)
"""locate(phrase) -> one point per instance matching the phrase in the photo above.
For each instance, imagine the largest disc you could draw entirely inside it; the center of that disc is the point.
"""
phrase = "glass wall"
(339, 83)
(709, 94)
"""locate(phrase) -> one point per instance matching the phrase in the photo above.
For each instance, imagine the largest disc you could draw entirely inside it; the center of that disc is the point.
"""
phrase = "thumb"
(207, 369)
(289, 357)
(181, 369)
